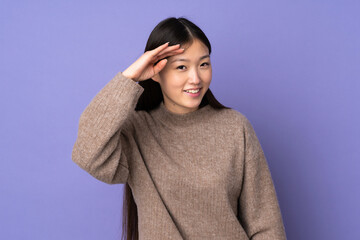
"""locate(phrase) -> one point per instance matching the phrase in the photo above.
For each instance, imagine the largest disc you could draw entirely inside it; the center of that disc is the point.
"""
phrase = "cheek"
(174, 83)
(207, 77)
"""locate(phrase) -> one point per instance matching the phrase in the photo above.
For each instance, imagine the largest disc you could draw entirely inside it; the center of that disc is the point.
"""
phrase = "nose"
(194, 77)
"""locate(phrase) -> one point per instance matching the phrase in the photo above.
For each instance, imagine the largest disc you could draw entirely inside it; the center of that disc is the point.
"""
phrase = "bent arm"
(104, 127)
(259, 210)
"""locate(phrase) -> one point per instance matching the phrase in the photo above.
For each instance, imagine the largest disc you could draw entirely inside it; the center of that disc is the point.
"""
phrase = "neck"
(180, 119)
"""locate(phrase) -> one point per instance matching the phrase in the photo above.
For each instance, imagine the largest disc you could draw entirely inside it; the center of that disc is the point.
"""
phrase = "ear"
(156, 78)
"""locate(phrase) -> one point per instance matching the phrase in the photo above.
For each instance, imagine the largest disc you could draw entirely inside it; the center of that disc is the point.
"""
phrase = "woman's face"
(190, 70)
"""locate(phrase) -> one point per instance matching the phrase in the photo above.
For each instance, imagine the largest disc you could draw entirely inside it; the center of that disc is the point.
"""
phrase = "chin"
(192, 106)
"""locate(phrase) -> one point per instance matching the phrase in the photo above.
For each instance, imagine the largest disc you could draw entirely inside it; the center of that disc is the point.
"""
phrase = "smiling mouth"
(193, 90)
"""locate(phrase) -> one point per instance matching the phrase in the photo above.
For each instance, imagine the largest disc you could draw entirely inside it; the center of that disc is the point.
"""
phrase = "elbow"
(78, 158)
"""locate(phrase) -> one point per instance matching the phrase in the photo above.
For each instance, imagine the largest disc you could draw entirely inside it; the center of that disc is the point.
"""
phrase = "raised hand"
(144, 67)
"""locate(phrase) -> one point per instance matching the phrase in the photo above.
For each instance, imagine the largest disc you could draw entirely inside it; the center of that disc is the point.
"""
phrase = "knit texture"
(199, 175)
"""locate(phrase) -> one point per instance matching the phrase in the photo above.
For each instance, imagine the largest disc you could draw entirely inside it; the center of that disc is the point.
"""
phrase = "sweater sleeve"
(104, 131)
(259, 210)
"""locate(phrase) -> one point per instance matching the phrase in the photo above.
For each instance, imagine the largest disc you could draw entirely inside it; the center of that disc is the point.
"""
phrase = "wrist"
(128, 75)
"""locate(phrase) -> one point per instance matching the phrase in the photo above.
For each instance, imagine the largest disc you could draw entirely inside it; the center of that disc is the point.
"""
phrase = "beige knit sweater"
(200, 175)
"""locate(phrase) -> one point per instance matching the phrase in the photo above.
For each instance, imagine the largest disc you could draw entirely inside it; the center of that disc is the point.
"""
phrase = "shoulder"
(235, 123)
(232, 117)
(240, 126)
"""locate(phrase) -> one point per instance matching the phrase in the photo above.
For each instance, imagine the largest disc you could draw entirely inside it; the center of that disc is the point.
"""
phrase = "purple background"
(293, 68)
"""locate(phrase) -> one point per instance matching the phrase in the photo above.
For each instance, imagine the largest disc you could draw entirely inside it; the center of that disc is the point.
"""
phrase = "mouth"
(193, 92)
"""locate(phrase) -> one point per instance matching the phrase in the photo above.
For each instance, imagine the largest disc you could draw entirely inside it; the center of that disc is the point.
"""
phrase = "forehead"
(196, 44)
(193, 52)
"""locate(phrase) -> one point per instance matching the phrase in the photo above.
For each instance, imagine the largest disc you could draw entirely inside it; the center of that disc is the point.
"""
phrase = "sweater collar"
(165, 115)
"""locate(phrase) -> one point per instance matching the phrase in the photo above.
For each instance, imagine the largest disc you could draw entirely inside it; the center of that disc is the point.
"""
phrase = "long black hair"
(175, 31)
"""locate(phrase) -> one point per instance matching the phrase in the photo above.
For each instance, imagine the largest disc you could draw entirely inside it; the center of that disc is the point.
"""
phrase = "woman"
(193, 168)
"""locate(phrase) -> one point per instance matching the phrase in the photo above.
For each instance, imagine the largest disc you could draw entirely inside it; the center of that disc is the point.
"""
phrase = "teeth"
(192, 91)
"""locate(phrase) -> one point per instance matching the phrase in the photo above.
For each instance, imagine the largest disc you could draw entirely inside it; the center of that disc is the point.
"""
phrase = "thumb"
(160, 65)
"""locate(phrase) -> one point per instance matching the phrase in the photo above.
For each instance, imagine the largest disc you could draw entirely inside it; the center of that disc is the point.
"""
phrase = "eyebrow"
(187, 60)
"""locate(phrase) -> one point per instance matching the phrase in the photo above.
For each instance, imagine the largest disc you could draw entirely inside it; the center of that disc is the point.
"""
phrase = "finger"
(159, 49)
(159, 66)
(169, 49)
(175, 52)
(167, 55)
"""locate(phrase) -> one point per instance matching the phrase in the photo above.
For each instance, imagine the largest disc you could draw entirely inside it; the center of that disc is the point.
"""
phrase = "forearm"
(98, 147)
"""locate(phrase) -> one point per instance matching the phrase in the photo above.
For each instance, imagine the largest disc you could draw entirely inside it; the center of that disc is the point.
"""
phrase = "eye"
(180, 67)
(206, 64)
